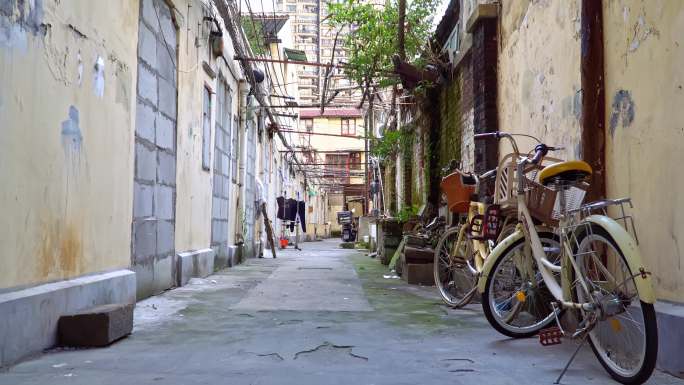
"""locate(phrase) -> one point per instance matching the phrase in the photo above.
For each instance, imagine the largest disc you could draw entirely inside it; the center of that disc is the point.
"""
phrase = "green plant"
(387, 145)
(407, 212)
(374, 39)
(254, 31)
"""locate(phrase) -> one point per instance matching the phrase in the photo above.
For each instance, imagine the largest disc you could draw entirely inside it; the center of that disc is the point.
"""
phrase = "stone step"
(96, 326)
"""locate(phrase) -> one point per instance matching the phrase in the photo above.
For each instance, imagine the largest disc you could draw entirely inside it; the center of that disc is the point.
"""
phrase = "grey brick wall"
(221, 180)
(154, 193)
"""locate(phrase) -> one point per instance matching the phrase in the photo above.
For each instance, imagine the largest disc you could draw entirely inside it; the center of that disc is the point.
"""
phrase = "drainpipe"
(243, 88)
(593, 141)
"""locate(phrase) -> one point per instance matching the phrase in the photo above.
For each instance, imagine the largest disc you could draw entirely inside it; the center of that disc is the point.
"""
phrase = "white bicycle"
(597, 271)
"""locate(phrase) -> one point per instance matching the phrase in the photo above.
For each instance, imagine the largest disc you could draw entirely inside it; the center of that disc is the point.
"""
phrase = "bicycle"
(599, 275)
(462, 249)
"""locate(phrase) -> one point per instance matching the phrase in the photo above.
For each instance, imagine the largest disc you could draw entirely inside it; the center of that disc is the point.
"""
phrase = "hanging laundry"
(291, 212)
(301, 211)
(281, 208)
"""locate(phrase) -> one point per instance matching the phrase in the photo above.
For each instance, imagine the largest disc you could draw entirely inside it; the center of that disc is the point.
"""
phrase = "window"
(308, 124)
(348, 126)
(355, 161)
(337, 166)
(206, 129)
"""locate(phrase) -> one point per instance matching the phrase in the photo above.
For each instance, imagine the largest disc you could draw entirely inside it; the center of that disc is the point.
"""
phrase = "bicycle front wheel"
(455, 275)
(516, 301)
(624, 336)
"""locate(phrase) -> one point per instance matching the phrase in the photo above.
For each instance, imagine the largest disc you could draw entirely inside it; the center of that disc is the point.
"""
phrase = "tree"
(373, 38)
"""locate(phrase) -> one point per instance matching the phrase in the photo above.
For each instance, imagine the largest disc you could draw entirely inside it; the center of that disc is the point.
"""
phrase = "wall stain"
(623, 110)
(60, 251)
(641, 33)
(72, 139)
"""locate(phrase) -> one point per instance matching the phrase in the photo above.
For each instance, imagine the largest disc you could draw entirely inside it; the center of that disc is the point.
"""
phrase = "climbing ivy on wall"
(450, 116)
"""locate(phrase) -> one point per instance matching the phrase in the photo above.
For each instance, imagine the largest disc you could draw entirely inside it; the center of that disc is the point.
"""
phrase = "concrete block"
(145, 162)
(184, 270)
(163, 202)
(215, 207)
(144, 121)
(147, 46)
(419, 274)
(149, 14)
(144, 273)
(167, 98)
(165, 237)
(97, 326)
(233, 255)
(168, 29)
(204, 263)
(164, 273)
(166, 170)
(225, 163)
(670, 318)
(144, 238)
(196, 263)
(165, 63)
(28, 324)
(142, 202)
(165, 133)
(147, 85)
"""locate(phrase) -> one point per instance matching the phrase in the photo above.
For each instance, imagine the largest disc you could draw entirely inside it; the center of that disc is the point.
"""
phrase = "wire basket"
(544, 202)
(505, 191)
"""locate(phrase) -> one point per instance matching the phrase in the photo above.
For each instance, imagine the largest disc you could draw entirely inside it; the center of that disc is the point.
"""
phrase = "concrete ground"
(320, 316)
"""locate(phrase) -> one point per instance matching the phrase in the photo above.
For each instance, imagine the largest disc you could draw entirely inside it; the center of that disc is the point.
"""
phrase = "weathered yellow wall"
(539, 73)
(193, 183)
(645, 128)
(66, 150)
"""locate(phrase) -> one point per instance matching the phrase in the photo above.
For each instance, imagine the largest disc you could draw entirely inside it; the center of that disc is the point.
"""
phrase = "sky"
(259, 6)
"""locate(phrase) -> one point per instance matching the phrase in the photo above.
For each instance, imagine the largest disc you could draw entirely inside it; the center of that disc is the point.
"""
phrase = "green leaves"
(255, 34)
(373, 37)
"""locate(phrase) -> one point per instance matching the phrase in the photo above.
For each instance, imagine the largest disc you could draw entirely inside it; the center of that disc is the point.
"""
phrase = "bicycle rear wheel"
(625, 335)
(455, 275)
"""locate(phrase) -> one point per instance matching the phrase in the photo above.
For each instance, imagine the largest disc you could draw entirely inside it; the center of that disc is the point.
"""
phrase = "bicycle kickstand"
(572, 358)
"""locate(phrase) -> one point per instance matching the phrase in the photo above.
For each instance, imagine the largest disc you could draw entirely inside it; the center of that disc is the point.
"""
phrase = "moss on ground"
(391, 299)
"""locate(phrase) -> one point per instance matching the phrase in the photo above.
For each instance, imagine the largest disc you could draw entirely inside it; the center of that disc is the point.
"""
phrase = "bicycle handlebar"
(540, 150)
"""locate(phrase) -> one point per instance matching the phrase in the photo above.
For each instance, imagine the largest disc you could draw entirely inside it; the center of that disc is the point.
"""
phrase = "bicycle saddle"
(571, 171)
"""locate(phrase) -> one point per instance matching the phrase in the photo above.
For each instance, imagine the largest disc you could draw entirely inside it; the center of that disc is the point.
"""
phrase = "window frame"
(350, 126)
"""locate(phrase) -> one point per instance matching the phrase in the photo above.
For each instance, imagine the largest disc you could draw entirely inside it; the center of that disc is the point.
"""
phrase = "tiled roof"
(331, 113)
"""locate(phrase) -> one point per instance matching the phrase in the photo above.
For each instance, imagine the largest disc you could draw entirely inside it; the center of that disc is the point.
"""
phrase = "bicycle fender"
(630, 249)
(494, 255)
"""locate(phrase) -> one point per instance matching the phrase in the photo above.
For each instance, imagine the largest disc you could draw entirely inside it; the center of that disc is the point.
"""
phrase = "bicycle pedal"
(550, 336)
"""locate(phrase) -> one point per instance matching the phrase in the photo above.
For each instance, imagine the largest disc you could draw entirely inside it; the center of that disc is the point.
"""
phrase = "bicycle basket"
(506, 180)
(457, 193)
(544, 202)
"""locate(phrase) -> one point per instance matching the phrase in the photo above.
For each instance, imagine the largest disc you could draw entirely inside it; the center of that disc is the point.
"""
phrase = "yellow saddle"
(569, 172)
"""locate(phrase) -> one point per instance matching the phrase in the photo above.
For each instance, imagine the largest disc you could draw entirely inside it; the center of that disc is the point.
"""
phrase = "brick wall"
(484, 78)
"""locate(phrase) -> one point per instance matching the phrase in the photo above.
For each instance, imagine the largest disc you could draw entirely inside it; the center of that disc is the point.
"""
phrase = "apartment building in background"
(316, 37)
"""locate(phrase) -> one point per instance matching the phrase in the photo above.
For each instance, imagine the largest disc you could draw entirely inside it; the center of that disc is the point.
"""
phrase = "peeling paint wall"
(67, 71)
(539, 73)
(645, 128)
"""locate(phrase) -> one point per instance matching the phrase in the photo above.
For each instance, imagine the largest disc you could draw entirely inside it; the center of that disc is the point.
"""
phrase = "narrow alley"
(323, 315)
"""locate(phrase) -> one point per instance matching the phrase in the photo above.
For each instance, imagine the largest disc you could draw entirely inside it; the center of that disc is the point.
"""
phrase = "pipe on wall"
(593, 140)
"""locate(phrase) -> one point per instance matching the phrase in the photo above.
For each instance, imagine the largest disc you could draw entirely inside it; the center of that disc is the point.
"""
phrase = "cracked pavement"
(324, 315)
